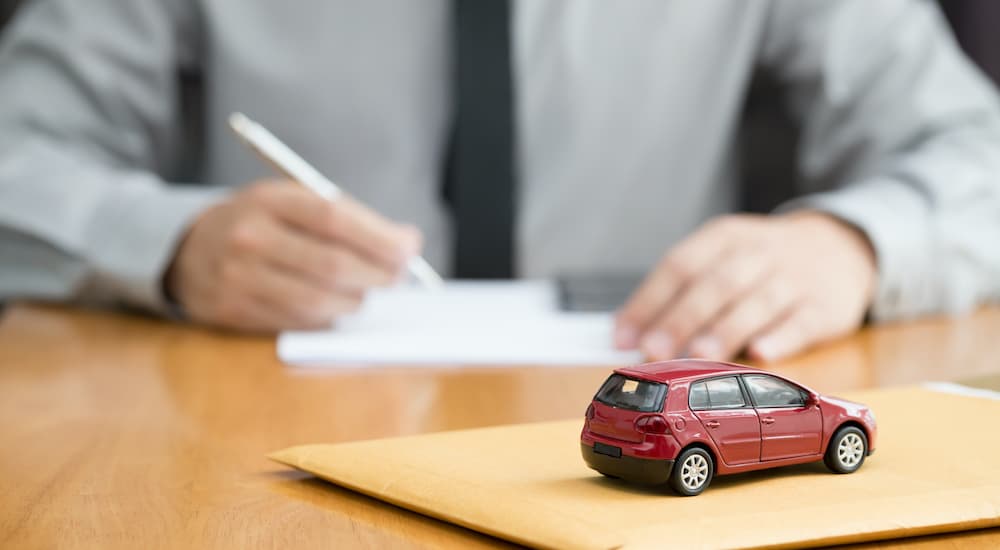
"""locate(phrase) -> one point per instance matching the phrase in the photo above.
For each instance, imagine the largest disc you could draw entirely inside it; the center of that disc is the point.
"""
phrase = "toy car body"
(684, 421)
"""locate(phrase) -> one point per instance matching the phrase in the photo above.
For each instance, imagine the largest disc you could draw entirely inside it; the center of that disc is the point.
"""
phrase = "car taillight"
(590, 412)
(652, 424)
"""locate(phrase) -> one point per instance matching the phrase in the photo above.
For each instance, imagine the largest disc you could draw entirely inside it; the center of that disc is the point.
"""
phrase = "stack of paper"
(485, 323)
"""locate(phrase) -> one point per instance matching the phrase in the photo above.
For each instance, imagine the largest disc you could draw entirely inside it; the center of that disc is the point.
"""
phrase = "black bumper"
(637, 470)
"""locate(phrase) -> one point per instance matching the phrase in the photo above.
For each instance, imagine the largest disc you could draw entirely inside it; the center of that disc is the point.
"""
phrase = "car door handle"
(712, 423)
(767, 420)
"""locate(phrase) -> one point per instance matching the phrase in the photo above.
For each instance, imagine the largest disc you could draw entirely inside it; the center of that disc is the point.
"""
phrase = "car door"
(728, 417)
(789, 426)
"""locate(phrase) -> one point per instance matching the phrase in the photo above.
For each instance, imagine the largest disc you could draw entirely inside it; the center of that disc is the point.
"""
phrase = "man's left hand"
(769, 285)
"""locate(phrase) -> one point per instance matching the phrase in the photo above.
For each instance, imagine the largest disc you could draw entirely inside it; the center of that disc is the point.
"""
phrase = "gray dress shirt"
(626, 114)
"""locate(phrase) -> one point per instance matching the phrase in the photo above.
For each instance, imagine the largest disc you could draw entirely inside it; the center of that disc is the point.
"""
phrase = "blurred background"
(768, 135)
(7, 10)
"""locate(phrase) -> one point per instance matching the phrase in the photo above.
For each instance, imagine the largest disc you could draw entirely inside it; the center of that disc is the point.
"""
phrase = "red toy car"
(684, 421)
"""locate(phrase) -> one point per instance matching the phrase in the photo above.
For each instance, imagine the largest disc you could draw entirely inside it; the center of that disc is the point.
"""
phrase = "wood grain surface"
(120, 431)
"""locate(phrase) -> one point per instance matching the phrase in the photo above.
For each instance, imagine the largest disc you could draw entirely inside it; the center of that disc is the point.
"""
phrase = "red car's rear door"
(728, 418)
(736, 434)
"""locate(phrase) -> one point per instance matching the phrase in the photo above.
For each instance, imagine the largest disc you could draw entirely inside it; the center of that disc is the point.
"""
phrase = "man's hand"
(276, 256)
(771, 285)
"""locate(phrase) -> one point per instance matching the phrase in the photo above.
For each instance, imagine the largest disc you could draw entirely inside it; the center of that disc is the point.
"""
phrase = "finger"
(301, 305)
(704, 298)
(340, 268)
(292, 302)
(229, 308)
(685, 261)
(345, 220)
(745, 319)
(370, 234)
(330, 266)
(246, 313)
(800, 328)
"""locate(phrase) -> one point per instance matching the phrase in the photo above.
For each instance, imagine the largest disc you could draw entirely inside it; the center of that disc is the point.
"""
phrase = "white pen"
(286, 161)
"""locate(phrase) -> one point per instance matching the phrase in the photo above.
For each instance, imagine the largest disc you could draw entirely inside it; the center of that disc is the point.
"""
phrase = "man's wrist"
(828, 228)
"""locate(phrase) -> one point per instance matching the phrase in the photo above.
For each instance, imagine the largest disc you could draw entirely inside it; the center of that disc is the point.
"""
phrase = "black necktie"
(480, 173)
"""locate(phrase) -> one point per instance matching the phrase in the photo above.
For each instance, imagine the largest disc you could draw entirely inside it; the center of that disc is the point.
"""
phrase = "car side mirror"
(812, 400)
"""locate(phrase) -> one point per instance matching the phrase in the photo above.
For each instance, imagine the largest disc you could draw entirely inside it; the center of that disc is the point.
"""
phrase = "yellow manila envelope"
(936, 469)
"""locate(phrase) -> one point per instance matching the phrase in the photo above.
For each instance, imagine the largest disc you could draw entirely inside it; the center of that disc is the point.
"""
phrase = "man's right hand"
(276, 256)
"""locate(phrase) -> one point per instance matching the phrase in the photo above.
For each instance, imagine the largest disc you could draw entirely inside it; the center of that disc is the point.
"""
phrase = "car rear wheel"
(692, 472)
(847, 450)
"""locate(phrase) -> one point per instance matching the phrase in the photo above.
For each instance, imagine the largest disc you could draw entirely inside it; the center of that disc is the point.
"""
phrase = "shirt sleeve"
(89, 132)
(901, 138)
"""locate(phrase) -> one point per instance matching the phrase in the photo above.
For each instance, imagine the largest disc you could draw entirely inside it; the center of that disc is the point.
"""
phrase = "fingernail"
(658, 345)
(706, 347)
(626, 337)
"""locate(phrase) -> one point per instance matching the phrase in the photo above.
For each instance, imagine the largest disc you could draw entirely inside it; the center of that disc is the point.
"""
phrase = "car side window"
(768, 391)
(718, 393)
(698, 397)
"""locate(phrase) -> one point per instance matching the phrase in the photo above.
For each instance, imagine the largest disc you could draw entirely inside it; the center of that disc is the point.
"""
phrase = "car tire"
(847, 450)
(692, 472)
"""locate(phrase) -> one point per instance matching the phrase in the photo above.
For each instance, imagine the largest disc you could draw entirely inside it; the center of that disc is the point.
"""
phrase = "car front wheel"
(847, 450)
(692, 472)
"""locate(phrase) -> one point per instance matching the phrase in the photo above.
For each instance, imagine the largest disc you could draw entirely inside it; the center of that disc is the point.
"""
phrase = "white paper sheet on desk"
(481, 323)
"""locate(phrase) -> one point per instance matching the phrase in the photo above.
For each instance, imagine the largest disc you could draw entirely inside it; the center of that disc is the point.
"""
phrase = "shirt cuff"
(135, 233)
(896, 219)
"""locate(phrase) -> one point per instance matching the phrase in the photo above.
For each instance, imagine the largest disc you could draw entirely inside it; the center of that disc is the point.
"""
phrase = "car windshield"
(628, 393)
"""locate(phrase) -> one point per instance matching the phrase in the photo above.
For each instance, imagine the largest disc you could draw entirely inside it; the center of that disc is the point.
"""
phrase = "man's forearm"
(76, 229)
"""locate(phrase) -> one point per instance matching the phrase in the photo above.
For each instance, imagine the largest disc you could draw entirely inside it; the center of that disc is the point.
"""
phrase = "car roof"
(678, 370)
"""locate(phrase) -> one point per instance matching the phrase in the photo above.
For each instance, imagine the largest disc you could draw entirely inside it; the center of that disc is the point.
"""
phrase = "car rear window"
(629, 393)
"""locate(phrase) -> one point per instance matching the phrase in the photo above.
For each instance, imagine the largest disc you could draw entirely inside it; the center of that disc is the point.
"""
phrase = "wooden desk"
(121, 431)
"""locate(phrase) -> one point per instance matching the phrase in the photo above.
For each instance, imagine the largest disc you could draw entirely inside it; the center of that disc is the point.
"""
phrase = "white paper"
(466, 323)
(959, 389)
